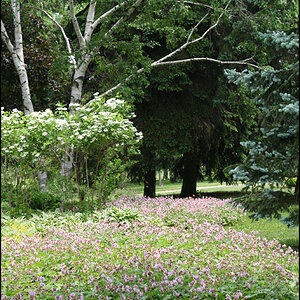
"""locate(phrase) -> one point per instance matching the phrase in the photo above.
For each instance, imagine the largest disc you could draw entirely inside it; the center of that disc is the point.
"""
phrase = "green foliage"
(273, 158)
(32, 142)
(116, 214)
(44, 201)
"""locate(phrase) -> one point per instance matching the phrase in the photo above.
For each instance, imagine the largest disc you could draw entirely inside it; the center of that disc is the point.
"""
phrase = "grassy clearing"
(271, 229)
(161, 248)
(138, 188)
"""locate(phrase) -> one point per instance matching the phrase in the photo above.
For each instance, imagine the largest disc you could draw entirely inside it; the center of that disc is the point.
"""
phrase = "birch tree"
(130, 9)
(17, 53)
(108, 18)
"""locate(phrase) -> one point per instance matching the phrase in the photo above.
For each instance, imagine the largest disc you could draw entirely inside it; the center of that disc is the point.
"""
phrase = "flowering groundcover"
(143, 248)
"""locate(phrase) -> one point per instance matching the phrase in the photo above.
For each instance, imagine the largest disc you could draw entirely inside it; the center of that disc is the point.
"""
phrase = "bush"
(44, 201)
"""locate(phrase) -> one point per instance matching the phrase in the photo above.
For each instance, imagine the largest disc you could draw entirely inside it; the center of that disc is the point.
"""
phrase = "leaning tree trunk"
(28, 108)
(190, 172)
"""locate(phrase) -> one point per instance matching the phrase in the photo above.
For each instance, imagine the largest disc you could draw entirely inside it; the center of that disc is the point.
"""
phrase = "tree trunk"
(77, 80)
(149, 173)
(17, 54)
(159, 178)
(189, 185)
(165, 177)
(297, 187)
(76, 89)
(42, 179)
(26, 97)
(76, 96)
(149, 182)
(67, 163)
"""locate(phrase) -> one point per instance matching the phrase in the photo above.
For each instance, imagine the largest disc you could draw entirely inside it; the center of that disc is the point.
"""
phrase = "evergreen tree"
(271, 170)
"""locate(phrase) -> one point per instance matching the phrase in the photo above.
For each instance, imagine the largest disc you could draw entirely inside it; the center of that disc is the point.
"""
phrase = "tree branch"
(72, 58)
(157, 64)
(108, 13)
(198, 4)
(89, 28)
(238, 62)
(193, 29)
(76, 25)
(130, 12)
(5, 38)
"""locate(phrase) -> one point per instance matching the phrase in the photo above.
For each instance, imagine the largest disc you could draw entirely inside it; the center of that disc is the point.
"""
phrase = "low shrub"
(44, 201)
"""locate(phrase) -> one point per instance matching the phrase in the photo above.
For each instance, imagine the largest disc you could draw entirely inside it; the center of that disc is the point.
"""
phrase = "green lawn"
(168, 187)
(271, 229)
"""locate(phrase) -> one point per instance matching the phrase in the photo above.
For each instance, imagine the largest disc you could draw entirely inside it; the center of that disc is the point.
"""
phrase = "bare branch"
(5, 38)
(193, 29)
(76, 25)
(108, 13)
(238, 62)
(130, 12)
(156, 64)
(72, 58)
(121, 83)
(197, 4)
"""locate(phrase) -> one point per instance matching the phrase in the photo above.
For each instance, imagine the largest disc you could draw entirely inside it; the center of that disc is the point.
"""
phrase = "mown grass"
(138, 188)
(271, 229)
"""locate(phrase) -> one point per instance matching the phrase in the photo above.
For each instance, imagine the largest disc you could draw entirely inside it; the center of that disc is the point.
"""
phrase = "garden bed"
(142, 248)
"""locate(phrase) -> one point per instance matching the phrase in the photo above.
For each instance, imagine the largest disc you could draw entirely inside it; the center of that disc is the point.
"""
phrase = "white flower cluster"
(47, 133)
(114, 103)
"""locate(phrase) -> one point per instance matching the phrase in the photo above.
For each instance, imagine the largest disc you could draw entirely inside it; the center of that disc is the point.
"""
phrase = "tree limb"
(108, 13)
(76, 25)
(193, 29)
(238, 62)
(198, 4)
(130, 12)
(157, 64)
(72, 58)
(5, 38)
(89, 28)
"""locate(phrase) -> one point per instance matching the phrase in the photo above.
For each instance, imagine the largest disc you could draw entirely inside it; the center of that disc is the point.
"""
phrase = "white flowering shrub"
(31, 142)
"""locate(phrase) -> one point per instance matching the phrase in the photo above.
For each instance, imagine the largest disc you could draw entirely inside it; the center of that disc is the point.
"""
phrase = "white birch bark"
(81, 66)
(83, 39)
(17, 54)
